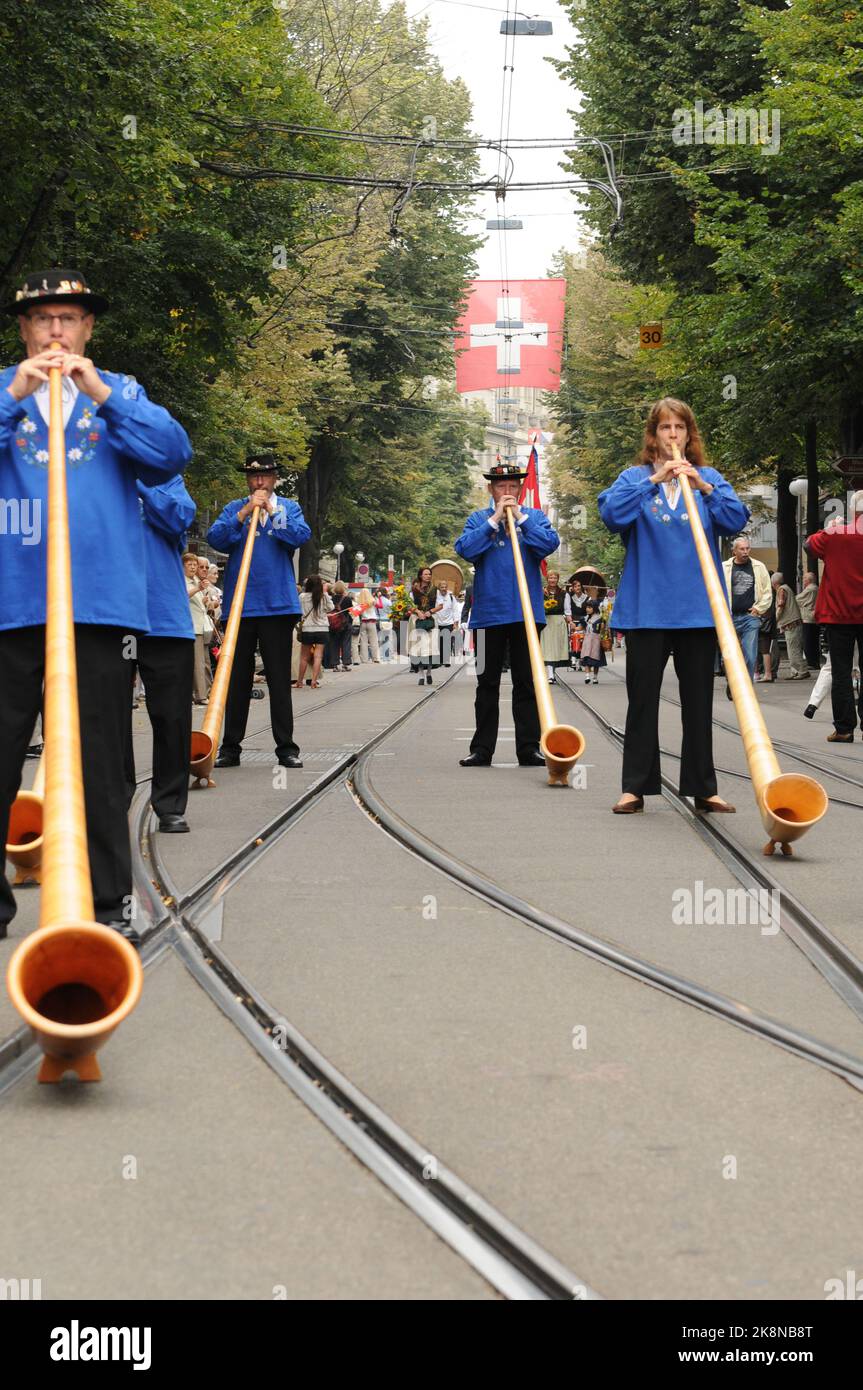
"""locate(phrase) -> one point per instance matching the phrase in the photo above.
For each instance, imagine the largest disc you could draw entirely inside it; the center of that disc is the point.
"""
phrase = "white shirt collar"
(70, 396)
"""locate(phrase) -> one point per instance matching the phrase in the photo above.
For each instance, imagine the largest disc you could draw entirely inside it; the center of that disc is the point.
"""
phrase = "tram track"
(511, 1262)
(18, 1054)
(837, 965)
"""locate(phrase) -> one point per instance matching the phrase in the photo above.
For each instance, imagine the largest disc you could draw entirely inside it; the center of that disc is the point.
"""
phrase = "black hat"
(56, 284)
(261, 463)
(505, 472)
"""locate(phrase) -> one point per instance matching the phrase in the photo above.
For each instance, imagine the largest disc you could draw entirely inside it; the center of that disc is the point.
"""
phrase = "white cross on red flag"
(511, 334)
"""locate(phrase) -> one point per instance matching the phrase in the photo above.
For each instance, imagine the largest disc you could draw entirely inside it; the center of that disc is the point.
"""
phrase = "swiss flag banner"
(529, 491)
(511, 335)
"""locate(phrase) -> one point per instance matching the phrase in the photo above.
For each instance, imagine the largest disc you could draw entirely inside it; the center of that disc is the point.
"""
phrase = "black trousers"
(647, 651)
(444, 645)
(274, 636)
(167, 667)
(491, 647)
(841, 638)
(812, 646)
(104, 699)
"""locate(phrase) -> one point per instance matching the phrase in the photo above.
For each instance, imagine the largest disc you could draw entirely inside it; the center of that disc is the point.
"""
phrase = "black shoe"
(290, 761)
(227, 760)
(34, 751)
(809, 713)
(728, 694)
(534, 759)
(420, 681)
(2, 931)
(474, 760)
(173, 825)
(126, 930)
(428, 678)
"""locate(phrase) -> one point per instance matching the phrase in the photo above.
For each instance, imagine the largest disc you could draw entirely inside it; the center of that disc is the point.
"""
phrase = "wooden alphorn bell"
(560, 744)
(789, 803)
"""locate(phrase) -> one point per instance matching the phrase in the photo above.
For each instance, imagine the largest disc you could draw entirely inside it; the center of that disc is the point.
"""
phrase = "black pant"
(444, 652)
(841, 638)
(340, 646)
(274, 636)
(812, 646)
(647, 651)
(104, 698)
(491, 646)
(167, 666)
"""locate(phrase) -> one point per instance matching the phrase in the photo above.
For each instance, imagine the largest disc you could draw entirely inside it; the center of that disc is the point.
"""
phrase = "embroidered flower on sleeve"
(684, 516)
(28, 426)
(84, 421)
(41, 455)
(665, 516)
(75, 454)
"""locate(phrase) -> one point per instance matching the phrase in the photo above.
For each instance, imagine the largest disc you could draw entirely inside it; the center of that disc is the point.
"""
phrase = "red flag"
(529, 493)
(530, 487)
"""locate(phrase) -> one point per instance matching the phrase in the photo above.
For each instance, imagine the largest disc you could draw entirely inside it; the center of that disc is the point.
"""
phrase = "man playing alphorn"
(271, 606)
(496, 610)
(114, 435)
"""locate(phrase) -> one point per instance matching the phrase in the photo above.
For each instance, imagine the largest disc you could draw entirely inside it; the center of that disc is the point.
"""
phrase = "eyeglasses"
(65, 320)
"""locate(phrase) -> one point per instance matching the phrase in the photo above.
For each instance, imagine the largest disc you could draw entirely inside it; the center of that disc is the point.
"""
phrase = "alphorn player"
(166, 656)
(662, 604)
(497, 615)
(114, 435)
(271, 606)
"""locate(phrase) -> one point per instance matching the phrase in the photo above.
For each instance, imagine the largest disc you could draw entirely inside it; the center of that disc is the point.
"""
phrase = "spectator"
(202, 625)
(806, 601)
(446, 618)
(840, 608)
(368, 626)
(384, 606)
(574, 603)
(790, 625)
(592, 654)
(315, 605)
(424, 598)
(748, 583)
(340, 628)
(767, 639)
(554, 638)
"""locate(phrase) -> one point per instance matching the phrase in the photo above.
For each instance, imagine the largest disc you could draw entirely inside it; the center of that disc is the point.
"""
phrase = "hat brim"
(508, 478)
(93, 303)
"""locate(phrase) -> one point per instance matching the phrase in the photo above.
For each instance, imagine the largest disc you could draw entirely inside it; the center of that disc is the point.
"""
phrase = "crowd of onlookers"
(340, 627)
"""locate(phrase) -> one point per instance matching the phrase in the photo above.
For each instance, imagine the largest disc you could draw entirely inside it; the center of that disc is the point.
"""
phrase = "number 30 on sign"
(650, 335)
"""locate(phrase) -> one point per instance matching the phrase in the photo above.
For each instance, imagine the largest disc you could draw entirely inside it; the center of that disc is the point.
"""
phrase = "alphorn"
(205, 740)
(788, 802)
(24, 836)
(560, 744)
(73, 980)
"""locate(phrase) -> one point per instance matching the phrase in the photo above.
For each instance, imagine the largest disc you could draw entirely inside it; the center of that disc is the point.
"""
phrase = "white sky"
(467, 41)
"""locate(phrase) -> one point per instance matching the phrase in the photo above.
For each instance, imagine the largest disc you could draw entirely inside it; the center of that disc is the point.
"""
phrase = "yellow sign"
(650, 335)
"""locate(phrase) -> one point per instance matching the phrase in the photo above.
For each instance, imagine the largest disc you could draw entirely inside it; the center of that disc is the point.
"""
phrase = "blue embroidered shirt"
(272, 588)
(662, 585)
(495, 587)
(108, 446)
(167, 513)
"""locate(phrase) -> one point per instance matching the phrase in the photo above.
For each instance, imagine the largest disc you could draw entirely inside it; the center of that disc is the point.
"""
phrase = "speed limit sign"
(650, 335)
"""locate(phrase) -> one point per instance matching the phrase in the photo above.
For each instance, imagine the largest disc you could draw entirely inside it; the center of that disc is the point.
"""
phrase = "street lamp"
(798, 487)
(338, 548)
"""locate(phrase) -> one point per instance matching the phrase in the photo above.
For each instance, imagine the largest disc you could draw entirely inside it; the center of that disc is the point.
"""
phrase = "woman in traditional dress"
(554, 639)
(662, 604)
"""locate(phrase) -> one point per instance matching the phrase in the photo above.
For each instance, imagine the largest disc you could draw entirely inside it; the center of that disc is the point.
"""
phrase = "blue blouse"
(495, 588)
(662, 585)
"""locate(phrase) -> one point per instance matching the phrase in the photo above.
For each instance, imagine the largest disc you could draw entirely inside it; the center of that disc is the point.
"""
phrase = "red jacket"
(840, 595)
